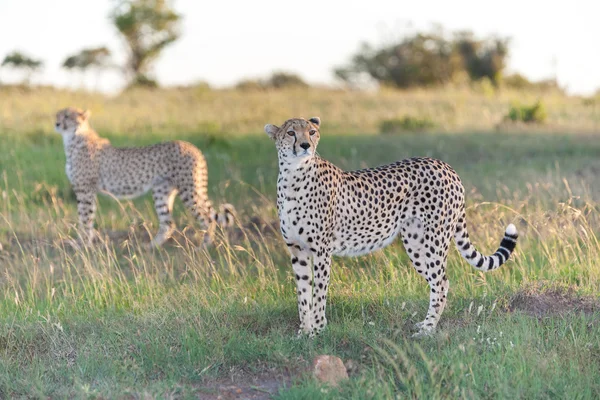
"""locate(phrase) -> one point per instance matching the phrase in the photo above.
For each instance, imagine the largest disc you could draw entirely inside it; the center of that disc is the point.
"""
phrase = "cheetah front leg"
(301, 260)
(428, 254)
(322, 273)
(86, 208)
(164, 195)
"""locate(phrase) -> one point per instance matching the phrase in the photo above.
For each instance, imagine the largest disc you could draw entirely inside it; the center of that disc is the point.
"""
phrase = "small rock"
(329, 369)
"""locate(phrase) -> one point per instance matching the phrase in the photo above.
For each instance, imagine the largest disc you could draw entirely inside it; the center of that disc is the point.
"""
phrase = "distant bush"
(516, 81)
(590, 101)
(519, 82)
(535, 113)
(405, 124)
(250, 85)
(278, 80)
(142, 81)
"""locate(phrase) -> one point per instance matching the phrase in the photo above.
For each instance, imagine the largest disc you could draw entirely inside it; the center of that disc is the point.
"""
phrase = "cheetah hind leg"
(164, 195)
(433, 270)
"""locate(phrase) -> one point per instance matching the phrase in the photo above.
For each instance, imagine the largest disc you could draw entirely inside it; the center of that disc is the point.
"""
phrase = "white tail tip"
(511, 230)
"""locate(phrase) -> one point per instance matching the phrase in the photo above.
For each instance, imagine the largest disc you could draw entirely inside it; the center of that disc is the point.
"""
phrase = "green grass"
(115, 320)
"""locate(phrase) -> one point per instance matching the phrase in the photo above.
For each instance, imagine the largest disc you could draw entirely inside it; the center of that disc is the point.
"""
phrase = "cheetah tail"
(478, 260)
(226, 215)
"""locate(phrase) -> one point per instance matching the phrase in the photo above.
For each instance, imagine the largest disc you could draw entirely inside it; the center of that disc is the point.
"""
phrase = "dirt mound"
(241, 384)
(261, 388)
(545, 300)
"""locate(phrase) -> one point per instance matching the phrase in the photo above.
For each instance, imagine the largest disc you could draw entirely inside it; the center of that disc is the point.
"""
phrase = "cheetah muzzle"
(326, 211)
(168, 169)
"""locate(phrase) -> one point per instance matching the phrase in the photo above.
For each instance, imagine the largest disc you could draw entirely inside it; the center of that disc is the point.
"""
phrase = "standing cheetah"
(325, 211)
(168, 169)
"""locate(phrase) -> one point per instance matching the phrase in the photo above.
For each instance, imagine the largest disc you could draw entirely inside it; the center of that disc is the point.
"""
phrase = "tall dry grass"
(200, 110)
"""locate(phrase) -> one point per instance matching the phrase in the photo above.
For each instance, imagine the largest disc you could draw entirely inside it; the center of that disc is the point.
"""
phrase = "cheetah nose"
(57, 124)
(305, 145)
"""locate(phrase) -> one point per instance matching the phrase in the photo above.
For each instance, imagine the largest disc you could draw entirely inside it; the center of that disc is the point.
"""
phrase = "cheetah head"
(297, 138)
(71, 120)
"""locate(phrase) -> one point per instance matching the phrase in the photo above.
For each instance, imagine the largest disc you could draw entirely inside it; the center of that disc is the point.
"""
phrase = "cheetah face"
(69, 120)
(297, 138)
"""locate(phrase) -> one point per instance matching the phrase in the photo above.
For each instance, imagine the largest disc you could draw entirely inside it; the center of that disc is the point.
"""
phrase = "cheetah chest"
(289, 209)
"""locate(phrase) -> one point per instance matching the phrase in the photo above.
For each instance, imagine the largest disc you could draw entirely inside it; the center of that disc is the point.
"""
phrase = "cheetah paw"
(302, 332)
(424, 331)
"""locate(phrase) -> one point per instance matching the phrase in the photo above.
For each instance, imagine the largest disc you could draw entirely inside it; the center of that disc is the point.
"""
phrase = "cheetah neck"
(83, 141)
(292, 172)
(290, 165)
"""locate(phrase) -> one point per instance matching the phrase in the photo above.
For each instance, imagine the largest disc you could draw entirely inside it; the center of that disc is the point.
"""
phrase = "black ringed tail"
(478, 260)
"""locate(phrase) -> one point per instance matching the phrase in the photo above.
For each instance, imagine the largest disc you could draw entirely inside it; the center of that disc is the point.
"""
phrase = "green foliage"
(148, 27)
(97, 57)
(535, 113)
(427, 59)
(406, 124)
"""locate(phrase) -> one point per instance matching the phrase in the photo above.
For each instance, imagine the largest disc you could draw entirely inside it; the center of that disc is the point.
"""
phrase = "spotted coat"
(326, 211)
(168, 169)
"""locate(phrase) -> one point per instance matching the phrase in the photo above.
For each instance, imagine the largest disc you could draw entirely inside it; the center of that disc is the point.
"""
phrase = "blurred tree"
(95, 58)
(19, 61)
(427, 59)
(147, 26)
(482, 57)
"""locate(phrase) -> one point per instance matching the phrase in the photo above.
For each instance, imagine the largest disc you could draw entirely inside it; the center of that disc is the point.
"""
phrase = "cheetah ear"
(316, 121)
(86, 115)
(271, 130)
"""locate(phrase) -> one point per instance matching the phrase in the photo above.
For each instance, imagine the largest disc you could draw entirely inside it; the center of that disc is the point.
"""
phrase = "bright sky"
(224, 41)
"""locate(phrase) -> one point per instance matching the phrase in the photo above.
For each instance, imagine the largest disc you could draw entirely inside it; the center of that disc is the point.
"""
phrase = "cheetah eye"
(291, 133)
(312, 132)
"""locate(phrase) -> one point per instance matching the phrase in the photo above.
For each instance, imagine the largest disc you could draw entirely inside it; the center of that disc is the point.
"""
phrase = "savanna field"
(116, 320)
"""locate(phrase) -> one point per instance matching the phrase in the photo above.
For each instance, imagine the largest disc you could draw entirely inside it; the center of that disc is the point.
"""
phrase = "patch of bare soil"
(545, 300)
(243, 385)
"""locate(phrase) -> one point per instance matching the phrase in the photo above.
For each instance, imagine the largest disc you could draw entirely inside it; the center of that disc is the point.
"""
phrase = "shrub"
(535, 113)
(520, 82)
(517, 81)
(278, 80)
(405, 124)
(250, 85)
(142, 81)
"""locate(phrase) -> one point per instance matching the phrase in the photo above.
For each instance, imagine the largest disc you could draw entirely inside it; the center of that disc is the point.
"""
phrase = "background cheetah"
(325, 211)
(168, 169)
